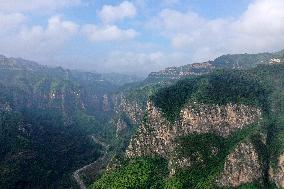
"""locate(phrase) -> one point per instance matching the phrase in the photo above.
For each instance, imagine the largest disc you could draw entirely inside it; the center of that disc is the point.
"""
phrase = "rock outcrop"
(157, 136)
(241, 166)
(126, 110)
(277, 174)
(182, 71)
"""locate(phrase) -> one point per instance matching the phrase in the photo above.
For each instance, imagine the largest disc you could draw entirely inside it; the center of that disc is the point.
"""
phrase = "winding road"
(97, 165)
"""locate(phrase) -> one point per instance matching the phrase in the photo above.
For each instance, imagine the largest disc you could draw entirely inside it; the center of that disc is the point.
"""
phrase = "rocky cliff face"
(277, 173)
(222, 120)
(126, 111)
(183, 71)
(241, 166)
(158, 136)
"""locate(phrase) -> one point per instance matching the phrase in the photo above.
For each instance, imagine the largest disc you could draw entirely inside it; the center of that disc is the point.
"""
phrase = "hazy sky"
(137, 36)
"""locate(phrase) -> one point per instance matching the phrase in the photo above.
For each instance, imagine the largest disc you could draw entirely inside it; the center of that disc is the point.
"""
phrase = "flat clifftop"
(229, 61)
(182, 71)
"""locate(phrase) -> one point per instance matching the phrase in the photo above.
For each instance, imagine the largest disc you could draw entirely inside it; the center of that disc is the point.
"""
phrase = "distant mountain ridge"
(217, 124)
(230, 61)
(19, 63)
(48, 116)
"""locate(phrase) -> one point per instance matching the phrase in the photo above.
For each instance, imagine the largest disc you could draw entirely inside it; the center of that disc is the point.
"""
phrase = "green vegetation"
(37, 152)
(208, 161)
(262, 86)
(207, 153)
(250, 186)
(244, 61)
(221, 87)
(141, 93)
(137, 173)
(47, 115)
(255, 186)
(46, 118)
(229, 62)
(273, 76)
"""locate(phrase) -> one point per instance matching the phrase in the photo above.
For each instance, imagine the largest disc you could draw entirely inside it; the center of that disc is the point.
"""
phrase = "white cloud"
(110, 14)
(259, 28)
(38, 42)
(108, 33)
(10, 21)
(34, 5)
(181, 40)
(175, 21)
(140, 63)
(192, 37)
(57, 31)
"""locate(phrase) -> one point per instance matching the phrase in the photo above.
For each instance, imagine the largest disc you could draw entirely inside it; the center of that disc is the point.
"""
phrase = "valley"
(216, 124)
(97, 166)
(141, 94)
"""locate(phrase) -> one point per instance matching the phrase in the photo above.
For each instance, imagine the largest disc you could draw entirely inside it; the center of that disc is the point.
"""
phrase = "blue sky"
(137, 36)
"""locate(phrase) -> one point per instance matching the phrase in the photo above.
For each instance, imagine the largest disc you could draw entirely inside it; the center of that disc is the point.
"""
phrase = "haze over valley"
(141, 94)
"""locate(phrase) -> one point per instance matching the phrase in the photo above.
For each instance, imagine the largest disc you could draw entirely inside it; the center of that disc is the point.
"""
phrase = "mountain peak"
(18, 63)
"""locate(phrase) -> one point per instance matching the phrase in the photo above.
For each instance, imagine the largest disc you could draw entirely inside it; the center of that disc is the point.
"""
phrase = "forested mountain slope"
(46, 119)
(219, 130)
(216, 124)
(230, 61)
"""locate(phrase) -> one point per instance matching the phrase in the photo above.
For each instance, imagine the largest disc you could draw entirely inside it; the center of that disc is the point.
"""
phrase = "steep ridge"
(136, 95)
(46, 116)
(234, 61)
(196, 126)
(159, 134)
(213, 131)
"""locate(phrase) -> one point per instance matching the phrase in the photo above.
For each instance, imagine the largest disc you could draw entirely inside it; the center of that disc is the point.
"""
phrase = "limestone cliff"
(126, 112)
(241, 166)
(277, 174)
(158, 136)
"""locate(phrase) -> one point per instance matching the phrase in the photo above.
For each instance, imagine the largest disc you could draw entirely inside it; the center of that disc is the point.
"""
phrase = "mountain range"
(216, 124)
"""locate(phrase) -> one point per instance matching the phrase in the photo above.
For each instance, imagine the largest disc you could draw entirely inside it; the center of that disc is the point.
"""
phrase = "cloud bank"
(176, 36)
(35, 5)
(259, 28)
(110, 13)
(108, 33)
